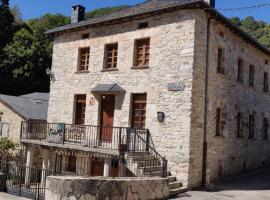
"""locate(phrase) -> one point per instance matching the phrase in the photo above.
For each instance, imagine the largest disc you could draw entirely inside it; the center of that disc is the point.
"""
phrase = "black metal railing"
(152, 163)
(80, 135)
(28, 182)
(125, 140)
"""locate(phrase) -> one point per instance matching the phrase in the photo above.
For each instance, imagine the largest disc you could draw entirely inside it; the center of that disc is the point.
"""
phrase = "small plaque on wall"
(178, 86)
(92, 101)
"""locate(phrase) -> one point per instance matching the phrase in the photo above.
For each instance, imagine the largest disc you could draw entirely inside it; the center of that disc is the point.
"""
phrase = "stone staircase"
(145, 164)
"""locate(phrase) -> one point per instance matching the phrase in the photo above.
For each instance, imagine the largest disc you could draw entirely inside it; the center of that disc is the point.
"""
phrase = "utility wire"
(244, 8)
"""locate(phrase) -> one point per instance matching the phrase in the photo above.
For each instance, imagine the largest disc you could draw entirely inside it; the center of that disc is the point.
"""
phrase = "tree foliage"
(6, 21)
(6, 147)
(257, 29)
(104, 11)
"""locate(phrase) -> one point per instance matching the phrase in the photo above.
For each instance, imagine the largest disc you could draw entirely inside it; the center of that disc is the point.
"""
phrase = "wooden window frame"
(251, 75)
(77, 98)
(221, 61)
(239, 131)
(218, 122)
(144, 54)
(111, 62)
(251, 126)
(240, 70)
(83, 63)
(265, 82)
(265, 128)
(133, 110)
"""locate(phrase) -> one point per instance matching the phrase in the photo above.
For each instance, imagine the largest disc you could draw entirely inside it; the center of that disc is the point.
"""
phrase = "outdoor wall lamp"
(161, 117)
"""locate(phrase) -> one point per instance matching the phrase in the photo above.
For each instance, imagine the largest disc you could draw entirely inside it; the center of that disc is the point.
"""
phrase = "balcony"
(98, 139)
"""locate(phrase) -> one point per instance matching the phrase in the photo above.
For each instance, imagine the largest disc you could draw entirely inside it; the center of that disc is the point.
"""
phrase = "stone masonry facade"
(13, 121)
(177, 55)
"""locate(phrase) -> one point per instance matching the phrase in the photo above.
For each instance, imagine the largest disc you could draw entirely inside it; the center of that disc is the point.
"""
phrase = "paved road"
(5, 196)
(253, 186)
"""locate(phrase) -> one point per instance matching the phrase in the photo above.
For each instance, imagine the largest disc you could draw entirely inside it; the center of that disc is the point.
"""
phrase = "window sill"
(109, 70)
(140, 67)
(82, 72)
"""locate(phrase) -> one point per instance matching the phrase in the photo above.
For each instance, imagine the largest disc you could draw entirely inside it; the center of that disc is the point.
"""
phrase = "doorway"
(106, 117)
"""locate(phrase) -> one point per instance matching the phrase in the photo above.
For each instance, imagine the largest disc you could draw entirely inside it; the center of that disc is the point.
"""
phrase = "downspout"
(205, 143)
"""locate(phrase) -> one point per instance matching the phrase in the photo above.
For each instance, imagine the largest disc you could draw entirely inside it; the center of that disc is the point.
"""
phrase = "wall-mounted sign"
(179, 86)
(92, 101)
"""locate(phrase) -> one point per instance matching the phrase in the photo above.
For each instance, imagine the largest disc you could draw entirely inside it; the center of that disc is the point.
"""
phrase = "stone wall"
(227, 154)
(14, 121)
(171, 61)
(100, 188)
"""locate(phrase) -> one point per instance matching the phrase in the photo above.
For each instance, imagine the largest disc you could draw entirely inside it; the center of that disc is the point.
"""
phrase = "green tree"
(104, 11)
(6, 21)
(259, 30)
(6, 147)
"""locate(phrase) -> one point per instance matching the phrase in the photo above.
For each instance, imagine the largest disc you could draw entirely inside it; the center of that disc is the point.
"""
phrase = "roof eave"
(152, 11)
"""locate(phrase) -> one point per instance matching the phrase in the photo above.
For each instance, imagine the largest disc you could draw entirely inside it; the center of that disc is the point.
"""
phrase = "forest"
(26, 52)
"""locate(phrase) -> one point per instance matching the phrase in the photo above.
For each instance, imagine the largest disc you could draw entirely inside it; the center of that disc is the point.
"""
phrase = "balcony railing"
(81, 135)
(122, 139)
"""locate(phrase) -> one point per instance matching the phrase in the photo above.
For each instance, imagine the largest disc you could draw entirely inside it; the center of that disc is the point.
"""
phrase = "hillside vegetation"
(26, 52)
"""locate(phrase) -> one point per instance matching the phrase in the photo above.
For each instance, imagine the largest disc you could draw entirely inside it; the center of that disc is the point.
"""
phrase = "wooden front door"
(107, 115)
(80, 105)
(97, 167)
(138, 111)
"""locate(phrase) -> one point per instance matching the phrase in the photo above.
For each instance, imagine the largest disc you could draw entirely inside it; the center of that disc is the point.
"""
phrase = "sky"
(36, 8)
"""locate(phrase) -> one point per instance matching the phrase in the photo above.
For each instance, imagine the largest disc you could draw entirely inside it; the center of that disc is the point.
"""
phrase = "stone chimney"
(77, 13)
(212, 3)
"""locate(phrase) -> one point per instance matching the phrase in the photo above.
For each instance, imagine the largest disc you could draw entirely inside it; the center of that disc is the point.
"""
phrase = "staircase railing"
(139, 141)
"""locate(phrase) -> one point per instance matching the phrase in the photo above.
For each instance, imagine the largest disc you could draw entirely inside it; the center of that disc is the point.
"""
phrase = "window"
(80, 105)
(111, 53)
(265, 129)
(139, 111)
(240, 73)
(239, 132)
(143, 25)
(84, 55)
(72, 164)
(251, 127)
(221, 60)
(218, 122)
(266, 61)
(142, 52)
(265, 82)
(85, 36)
(251, 75)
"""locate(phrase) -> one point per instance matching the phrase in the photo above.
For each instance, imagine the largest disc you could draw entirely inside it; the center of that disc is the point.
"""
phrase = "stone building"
(14, 110)
(191, 85)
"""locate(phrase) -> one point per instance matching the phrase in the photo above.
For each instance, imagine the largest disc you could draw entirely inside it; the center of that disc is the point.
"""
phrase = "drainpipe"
(205, 144)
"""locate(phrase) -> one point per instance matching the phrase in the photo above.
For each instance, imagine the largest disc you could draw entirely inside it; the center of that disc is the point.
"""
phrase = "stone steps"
(175, 186)
(177, 191)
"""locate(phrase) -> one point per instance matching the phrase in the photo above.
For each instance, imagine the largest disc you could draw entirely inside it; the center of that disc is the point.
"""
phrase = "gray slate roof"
(32, 106)
(146, 7)
(152, 6)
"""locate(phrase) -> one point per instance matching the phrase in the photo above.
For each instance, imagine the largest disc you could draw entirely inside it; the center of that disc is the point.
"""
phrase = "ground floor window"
(72, 163)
